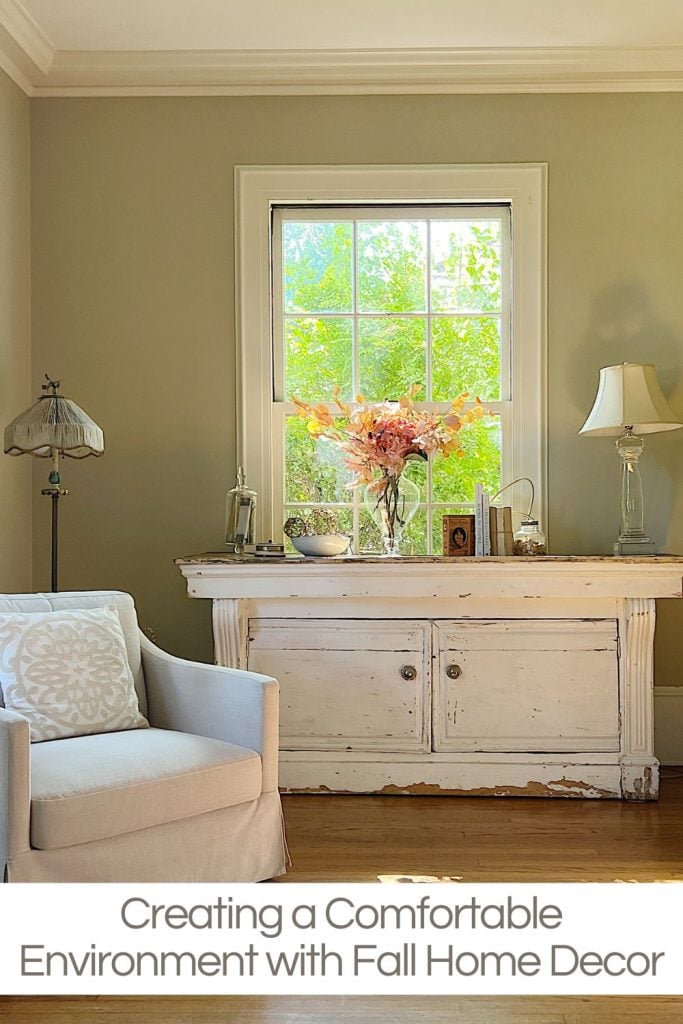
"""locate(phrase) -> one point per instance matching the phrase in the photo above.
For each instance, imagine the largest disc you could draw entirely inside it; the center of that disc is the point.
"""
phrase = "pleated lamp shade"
(54, 423)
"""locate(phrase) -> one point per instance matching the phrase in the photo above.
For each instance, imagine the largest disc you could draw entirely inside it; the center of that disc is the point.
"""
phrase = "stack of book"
(500, 530)
(492, 526)
(482, 526)
(487, 532)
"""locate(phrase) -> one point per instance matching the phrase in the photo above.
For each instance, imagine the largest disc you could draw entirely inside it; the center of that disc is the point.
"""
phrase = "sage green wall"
(15, 279)
(133, 302)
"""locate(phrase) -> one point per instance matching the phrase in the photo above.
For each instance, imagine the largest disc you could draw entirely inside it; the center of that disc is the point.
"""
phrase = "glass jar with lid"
(240, 512)
(529, 539)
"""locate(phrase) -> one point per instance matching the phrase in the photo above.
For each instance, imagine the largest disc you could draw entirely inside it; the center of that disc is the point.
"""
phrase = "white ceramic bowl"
(324, 546)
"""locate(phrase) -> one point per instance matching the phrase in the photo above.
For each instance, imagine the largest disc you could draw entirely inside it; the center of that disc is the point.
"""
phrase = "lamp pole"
(55, 492)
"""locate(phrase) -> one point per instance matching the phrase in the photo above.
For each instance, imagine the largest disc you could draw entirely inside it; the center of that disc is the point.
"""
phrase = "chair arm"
(15, 786)
(209, 700)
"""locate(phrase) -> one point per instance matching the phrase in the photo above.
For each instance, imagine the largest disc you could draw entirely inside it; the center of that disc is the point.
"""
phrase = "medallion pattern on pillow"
(67, 672)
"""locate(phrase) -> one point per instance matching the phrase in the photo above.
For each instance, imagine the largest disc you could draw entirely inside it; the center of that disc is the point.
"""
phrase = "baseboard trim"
(669, 724)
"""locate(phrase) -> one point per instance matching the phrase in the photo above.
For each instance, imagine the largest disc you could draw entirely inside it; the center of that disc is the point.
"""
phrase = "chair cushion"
(67, 672)
(95, 787)
(69, 600)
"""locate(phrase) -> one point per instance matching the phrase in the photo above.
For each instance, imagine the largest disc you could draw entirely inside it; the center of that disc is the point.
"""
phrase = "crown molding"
(334, 72)
(328, 72)
(26, 53)
(13, 72)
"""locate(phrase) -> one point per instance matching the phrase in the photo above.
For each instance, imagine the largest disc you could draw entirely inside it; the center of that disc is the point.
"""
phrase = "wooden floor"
(359, 839)
(342, 1010)
(506, 839)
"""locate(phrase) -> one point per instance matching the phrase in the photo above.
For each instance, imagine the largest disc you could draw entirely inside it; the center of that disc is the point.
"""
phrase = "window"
(374, 279)
(374, 300)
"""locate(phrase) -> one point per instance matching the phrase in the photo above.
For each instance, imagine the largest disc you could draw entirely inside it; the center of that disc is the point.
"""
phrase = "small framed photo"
(458, 536)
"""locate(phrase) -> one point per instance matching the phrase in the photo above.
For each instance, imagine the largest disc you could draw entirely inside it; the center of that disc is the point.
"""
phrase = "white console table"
(500, 676)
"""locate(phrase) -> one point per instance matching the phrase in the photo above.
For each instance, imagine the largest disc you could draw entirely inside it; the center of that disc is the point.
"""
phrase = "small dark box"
(458, 536)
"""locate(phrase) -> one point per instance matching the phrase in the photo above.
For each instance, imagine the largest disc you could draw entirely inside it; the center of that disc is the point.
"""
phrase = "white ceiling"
(207, 47)
(354, 24)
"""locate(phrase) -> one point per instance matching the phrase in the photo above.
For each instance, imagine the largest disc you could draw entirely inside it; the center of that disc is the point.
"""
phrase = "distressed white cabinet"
(344, 684)
(530, 685)
(417, 675)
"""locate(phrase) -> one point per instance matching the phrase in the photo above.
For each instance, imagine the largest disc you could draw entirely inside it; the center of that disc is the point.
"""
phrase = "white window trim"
(258, 189)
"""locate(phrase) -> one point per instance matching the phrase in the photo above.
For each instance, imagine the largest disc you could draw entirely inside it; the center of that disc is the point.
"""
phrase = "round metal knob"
(453, 671)
(409, 672)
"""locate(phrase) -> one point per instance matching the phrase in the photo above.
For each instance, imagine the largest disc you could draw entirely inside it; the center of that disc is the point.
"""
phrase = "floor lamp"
(52, 427)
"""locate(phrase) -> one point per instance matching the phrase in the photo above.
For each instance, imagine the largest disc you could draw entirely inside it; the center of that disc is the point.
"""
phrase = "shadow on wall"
(623, 326)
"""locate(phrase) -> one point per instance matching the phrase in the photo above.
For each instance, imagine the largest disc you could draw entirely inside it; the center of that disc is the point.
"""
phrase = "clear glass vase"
(392, 502)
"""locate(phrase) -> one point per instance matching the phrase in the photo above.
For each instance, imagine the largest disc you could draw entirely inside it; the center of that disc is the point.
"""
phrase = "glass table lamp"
(630, 402)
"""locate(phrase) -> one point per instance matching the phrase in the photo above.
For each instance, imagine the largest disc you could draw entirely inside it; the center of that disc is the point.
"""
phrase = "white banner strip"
(568, 939)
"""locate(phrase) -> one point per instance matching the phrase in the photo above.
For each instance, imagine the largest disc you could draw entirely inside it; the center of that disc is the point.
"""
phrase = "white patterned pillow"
(67, 672)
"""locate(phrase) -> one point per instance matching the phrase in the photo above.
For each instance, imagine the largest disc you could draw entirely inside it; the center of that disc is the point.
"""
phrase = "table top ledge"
(614, 561)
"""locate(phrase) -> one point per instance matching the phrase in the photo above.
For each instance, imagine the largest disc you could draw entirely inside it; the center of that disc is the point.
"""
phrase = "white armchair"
(194, 798)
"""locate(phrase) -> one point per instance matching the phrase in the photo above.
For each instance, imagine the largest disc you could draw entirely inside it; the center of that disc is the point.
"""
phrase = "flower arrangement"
(380, 438)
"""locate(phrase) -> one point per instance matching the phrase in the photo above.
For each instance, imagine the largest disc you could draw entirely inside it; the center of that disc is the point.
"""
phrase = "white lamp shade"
(54, 423)
(629, 395)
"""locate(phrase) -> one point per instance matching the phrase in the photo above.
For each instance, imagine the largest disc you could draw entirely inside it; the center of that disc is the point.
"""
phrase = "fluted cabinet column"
(639, 766)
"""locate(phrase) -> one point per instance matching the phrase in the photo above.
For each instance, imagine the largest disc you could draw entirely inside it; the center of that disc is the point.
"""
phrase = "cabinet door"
(526, 685)
(346, 684)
